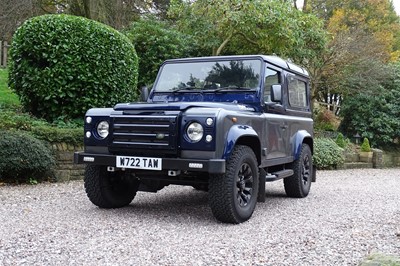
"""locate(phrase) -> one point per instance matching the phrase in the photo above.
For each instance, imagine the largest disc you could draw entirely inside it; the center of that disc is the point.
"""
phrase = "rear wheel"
(233, 195)
(298, 185)
(109, 189)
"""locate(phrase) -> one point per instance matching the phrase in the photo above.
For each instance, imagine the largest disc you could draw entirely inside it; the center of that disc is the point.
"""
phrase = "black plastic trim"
(212, 166)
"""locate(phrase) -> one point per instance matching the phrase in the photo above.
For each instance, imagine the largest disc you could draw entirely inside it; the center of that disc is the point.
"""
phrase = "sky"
(396, 4)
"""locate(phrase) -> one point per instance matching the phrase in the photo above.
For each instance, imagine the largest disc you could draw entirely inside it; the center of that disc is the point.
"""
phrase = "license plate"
(145, 163)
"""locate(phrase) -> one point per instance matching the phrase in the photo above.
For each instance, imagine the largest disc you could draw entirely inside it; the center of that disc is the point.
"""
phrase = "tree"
(364, 38)
(245, 27)
(14, 13)
(375, 116)
(155, 41)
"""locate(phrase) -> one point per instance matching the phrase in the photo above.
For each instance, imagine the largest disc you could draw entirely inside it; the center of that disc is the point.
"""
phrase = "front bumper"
(212, 166)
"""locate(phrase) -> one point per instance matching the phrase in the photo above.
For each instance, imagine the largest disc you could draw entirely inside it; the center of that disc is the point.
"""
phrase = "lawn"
(7, 97)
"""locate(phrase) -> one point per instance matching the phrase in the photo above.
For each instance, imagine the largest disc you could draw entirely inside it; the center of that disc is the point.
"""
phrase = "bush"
(327, 154)
(365, 147)
(325, 120)
(70, 132)
(155, 41)
(62, 65)
(24, 158)
(341, 141)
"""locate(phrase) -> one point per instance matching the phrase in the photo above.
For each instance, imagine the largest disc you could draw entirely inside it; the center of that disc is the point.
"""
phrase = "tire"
(233, 195)
(298, 185)
(109, 189)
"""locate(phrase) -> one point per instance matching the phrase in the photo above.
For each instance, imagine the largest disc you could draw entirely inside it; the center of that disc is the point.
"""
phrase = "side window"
(271, 78)
(297, 93)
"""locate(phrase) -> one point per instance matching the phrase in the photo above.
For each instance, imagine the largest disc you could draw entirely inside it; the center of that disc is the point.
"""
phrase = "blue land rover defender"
(225, 124)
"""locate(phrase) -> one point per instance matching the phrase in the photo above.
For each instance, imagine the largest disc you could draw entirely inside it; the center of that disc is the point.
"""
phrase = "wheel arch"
(301, 137)
(242, 135)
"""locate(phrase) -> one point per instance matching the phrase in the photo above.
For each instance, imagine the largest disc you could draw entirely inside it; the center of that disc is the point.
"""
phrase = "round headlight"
(102, 129)
(195, 131)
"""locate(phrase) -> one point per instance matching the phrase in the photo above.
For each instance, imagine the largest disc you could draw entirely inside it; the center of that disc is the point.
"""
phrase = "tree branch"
(223, 44)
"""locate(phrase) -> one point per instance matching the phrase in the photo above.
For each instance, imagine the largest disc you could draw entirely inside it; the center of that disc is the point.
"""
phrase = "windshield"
(220, 75)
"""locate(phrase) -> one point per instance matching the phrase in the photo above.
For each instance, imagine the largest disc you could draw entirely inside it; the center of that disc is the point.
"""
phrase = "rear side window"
(297, 93)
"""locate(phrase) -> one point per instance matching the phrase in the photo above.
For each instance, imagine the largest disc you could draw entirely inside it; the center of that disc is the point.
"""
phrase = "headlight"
(195, 131)
(102, 129)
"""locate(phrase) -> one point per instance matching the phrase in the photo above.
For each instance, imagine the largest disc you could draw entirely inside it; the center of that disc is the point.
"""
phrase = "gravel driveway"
(348, 215)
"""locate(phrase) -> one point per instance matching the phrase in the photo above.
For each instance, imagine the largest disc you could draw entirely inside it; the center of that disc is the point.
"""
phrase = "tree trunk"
(223, 44)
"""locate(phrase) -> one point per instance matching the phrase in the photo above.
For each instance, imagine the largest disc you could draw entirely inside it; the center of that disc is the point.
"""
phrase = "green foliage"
(62, 65)
(248, 27)
(24, 158)
(341, 141)
(68, 132)
(375, 116)
(155, 41)
(327, 154)
(7, 97)
(365, 147)
(325, 120)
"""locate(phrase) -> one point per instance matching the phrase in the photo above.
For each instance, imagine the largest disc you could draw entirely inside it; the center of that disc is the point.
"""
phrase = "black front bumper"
(212, 166)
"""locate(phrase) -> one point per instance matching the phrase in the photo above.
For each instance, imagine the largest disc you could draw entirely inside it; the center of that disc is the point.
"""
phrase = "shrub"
(365, 147)
(327, 154)
(341, 141)
(325, 120)
(70, 132)
(24, 158)
(62, 65)
(155, 41)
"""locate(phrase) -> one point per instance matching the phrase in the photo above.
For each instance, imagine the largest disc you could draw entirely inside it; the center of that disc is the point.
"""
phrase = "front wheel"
(109, 189)
(298, 185)
(233, 195)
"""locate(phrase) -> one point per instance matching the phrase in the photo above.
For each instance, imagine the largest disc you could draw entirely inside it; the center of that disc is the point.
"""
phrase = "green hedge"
(327, 154)
(62, 65)
(24, 158)
(54, 133)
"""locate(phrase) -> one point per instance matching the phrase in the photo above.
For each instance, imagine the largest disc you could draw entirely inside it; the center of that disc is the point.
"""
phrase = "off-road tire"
(109, 189)
(233, 195)
(298, 185)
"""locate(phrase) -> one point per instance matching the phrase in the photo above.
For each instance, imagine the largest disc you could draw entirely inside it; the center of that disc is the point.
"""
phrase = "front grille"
(144, 133)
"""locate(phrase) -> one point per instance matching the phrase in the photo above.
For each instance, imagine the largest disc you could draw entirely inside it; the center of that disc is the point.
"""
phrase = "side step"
(278, 175)
(264, 177)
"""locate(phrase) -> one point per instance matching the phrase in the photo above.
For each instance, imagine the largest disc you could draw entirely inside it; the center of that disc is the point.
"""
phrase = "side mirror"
(144, 94)
(276, 93)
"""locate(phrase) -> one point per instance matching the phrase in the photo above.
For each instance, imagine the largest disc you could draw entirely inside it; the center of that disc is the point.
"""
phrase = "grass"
(7, 97)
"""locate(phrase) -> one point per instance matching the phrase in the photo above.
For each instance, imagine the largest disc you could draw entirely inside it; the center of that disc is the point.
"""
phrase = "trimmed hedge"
(327, 154)
(23, 157)
(53, 133)
(62, 65)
